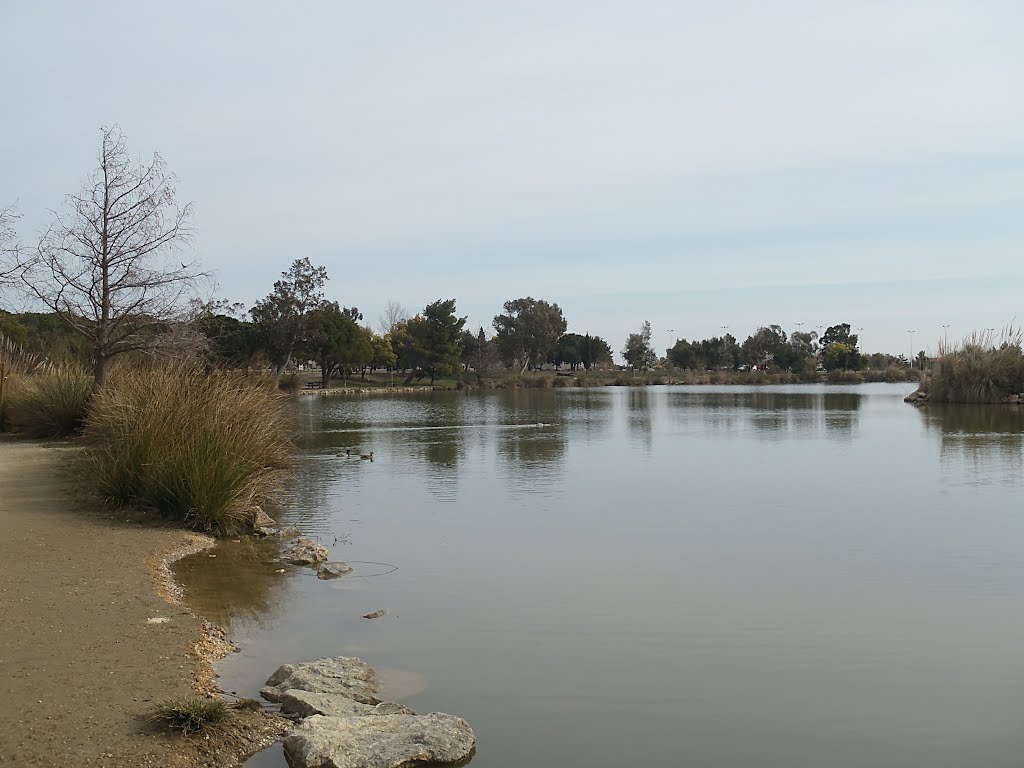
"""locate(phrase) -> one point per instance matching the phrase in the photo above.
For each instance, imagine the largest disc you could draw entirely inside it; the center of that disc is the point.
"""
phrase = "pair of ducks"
(348, 454)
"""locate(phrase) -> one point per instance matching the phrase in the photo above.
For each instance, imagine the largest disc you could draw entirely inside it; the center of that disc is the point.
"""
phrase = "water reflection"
(982, 443)
(236, 583)
(640, 405)
(769, 414)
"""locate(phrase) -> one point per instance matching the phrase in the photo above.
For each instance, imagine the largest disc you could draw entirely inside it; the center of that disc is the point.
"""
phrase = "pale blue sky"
(694, 164)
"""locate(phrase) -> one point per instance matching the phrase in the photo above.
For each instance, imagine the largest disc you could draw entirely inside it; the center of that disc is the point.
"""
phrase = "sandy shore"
(79, 661)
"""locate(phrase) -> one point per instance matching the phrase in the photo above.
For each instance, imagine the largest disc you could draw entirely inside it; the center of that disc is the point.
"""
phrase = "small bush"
(50, 402)
(190, 714)
(289, 383)
(200, 448)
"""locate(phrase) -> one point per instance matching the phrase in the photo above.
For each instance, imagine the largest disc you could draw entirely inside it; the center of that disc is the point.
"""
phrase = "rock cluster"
(345, 725)
(304, 551)
(917, 397)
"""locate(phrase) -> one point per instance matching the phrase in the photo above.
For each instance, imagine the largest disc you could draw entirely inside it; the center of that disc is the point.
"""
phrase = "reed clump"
(200, 447)
(39, 399)
(982, 368)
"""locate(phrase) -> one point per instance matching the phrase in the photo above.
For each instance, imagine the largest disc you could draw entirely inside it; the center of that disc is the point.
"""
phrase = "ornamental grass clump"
(49, 401)
(199, 447)
(979, 369)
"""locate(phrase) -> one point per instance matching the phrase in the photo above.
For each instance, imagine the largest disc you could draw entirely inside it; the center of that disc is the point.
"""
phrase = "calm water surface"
(715, 577)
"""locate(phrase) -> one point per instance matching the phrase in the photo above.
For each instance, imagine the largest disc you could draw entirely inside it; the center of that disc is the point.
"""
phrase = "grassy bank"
(980, 369)
(200, 447)
(504, 379)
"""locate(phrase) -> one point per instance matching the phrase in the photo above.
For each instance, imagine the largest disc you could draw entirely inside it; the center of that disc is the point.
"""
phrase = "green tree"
(232, 340)
(763, 345)
(335, 340)
(839, 348)
(688, 355)
(383, 354)
(528, 332)
(595, 351)
(282, 317)
(571, 349)
(432, 341)
(638, 351)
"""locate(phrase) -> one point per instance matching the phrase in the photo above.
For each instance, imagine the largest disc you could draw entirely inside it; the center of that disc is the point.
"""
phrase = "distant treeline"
(295, 323)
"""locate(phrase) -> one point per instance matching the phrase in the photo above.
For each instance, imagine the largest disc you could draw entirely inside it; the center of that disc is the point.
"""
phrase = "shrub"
(49, 402)
(200, 448)
(977, 370)
(190, 714)
(839, 376)
(289, 383)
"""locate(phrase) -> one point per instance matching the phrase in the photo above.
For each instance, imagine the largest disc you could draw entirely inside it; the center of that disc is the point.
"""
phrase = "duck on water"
(350, 454)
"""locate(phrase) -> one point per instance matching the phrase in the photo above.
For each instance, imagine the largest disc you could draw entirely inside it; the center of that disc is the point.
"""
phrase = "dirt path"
(78, 660)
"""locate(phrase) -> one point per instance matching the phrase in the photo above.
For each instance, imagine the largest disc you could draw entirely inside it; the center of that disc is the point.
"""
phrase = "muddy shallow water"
(794, 576)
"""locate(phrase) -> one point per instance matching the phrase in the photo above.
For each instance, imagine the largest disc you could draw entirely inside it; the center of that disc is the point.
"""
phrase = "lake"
(698, 576)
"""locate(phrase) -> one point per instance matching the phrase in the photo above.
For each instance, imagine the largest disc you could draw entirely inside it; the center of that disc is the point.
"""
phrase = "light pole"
(989, 332)
(911, 347)
(945, 335)
(722, 361)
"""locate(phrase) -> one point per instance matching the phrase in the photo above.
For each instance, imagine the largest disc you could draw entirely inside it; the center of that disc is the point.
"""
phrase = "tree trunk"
(100, 370)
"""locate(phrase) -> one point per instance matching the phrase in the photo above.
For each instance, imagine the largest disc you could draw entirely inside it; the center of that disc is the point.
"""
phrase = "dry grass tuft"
(190, 714)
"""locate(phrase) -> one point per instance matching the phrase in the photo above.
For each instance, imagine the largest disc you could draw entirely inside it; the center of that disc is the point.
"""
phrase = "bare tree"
(109, 264)
(392, 315)
(8, 245)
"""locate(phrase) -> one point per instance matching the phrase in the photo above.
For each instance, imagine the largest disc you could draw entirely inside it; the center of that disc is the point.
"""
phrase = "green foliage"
(528, 332)
(232, 341)
(49, 402)
(200, 448)
(282, 317)
(190, 714)
(335, 340)
(839, 349)
(430, 343)
(763, 346)
(585, 351)
(638, 352)
(978, 370)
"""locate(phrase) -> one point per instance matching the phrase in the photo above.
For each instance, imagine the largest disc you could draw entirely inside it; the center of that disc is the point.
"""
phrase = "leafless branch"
(110, 263)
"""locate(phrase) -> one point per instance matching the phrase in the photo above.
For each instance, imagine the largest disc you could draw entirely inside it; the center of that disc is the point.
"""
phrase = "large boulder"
(304, 551)
(345, 725)
(341, 676)
(306, 703)
(384, 741)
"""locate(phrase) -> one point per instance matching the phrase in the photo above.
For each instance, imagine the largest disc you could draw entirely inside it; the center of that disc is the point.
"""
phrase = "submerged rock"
(333, 570)
(304, 551)
(374, 614)
(384, 741)
(340, 676)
